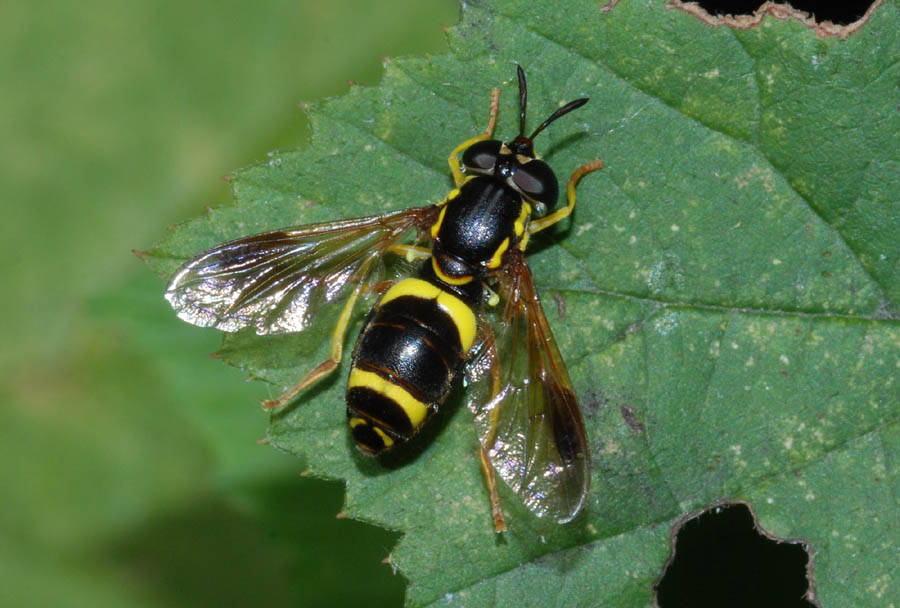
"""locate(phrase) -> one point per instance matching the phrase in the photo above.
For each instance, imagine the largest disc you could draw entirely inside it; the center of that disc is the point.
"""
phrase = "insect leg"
(492, 122)
(490, 479)
(410, 252)
(546, 222)
(491, 482)
(337, 348)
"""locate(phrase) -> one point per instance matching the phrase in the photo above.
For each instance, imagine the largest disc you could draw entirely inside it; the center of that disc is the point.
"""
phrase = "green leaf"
(731, 291)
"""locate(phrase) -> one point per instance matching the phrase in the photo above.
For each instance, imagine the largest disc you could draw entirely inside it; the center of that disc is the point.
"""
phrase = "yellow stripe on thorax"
(455, 192)
(519, 230)
(519, 225)
(524, 242)
(415, 409)
(450, 196)
(446, 278)
(497, 258)
(456, 309)
(436, 227)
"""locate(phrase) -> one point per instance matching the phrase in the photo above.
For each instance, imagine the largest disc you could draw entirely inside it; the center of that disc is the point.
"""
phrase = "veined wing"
(525, 407)
(278, 281)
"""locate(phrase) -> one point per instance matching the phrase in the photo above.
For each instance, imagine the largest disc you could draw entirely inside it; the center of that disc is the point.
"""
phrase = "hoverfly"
(470, 308)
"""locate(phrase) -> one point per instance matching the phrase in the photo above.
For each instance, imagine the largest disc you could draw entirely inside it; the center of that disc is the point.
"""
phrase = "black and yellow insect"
(469, 308)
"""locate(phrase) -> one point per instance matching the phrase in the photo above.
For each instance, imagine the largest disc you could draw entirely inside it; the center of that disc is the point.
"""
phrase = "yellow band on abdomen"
(415, 409)
(458, 311)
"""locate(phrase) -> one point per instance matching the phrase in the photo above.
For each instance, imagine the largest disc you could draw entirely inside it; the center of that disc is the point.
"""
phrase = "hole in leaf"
(732, 7)
(721, 557)
(839, 13)
(826, 18)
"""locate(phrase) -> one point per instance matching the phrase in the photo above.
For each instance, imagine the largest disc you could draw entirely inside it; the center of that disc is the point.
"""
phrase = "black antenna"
(572, 105)
(522, 144)
(523, 99)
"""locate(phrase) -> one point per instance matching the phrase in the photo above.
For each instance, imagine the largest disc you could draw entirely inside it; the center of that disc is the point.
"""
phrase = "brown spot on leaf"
(592, 401)
(631, 420)
(560, 305)
(633, 328)
(609, 6)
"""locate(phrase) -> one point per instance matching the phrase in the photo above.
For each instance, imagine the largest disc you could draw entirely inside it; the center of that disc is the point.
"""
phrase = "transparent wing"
(525, 408)
(278, 281)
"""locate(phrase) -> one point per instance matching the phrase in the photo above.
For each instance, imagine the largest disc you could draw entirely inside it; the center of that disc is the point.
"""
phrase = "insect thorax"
(476, 228)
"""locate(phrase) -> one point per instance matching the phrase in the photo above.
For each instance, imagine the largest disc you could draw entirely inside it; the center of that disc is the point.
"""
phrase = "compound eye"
(537, 180)
(482, 156)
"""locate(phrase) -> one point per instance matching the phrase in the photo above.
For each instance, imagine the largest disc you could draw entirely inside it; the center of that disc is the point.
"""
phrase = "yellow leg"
(560, 214)
(337, 348)
(410, 252)
(491, 482)
(458, 177)
(490, 479)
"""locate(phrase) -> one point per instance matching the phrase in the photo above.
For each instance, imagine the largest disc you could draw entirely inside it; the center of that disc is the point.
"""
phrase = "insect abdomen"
(407, 355)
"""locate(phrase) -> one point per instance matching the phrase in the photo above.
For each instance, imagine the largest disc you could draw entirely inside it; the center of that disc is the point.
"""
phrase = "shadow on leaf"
(280, 544)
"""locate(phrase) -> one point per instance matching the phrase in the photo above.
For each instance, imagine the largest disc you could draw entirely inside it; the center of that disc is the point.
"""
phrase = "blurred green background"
(129, 469)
